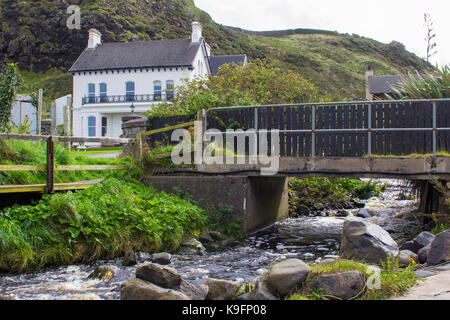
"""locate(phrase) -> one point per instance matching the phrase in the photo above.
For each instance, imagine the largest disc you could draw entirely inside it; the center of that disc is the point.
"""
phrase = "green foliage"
(10, 80)
(257, 83)
(330, 191)
(429, 86)
(100, 222)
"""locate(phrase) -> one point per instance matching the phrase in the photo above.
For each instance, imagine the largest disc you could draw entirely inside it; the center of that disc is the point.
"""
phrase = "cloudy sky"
(382, 20)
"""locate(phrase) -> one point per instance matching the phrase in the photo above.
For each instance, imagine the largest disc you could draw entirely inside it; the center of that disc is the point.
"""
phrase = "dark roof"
(383, 84)
(137, 54)
(217, 61)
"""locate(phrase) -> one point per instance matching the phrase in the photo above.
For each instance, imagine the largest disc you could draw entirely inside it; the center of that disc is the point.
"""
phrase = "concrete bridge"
(407, 139)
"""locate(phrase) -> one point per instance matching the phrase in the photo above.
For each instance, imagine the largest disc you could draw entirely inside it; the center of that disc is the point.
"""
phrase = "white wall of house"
(116, 86)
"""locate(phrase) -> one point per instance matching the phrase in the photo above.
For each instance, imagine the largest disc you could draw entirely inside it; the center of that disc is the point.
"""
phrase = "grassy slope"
(335, 63)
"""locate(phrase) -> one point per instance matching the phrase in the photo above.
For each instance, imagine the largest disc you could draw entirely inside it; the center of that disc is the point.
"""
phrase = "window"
(92, 126)
(103, 94)
(169, 88)
(130, 91)
(91, 92)
(104, 126)
(157, 90)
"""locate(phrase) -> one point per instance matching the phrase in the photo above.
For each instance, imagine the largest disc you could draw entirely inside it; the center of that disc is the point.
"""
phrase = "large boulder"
(405, 257)
(138, 289)
(288, 275)
(421, 241)
(439, 249)
(191, 247)
(103, 273)
(362, 240)
(194, 291)
(423, 254)
(163, 258)
(160, 275)
(220, 289)
(365, 213)
(262, 291)
(344, 285)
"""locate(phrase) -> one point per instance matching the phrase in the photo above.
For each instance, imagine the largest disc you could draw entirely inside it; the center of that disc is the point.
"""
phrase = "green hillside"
(34, 34)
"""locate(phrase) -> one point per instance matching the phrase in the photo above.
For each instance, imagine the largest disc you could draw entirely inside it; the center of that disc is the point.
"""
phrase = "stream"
(307, 238)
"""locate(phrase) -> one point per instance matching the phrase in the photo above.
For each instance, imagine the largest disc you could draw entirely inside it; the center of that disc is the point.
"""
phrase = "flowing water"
(307, 238)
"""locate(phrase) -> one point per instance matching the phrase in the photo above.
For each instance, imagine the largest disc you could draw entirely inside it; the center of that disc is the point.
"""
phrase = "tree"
(256, 83)
(7, 93)
(429, 38)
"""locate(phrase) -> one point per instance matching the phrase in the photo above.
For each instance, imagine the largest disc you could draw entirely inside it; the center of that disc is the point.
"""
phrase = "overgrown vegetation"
(331, 192)
(393, 279)
(428, 86)
(8, 82)
(103, 221)
(257, 83)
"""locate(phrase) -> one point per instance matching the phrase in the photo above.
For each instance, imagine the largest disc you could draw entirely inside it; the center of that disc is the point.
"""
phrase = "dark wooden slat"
(353, 115)
(346, 135)
(340, 140)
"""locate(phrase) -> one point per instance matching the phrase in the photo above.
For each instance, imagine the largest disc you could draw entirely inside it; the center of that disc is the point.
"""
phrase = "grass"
(17, 152)
(393, 279)
(101, 222)
(412, 155)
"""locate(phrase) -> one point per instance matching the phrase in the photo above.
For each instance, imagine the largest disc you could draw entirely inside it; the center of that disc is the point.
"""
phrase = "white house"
(110, 78)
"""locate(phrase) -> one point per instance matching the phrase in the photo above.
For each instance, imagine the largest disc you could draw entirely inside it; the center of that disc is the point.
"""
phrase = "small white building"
(109, 78)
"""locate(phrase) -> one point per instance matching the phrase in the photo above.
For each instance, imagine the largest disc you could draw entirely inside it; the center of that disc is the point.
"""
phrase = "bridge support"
(435, 199)
(257, 201)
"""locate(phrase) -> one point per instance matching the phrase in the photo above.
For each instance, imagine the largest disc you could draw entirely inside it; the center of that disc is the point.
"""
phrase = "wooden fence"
(346, 129)
(50, 166)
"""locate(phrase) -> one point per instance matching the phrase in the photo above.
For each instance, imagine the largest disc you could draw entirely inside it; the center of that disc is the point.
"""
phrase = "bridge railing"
(345, 129)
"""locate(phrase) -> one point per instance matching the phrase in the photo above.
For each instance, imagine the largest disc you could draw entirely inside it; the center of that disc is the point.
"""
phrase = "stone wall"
(46, 127)
(131, 126)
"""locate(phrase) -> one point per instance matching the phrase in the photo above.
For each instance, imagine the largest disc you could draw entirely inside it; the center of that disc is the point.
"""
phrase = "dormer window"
(91, 92)
(103, 93)
(157, 90)
(130, 91)
(169, 89)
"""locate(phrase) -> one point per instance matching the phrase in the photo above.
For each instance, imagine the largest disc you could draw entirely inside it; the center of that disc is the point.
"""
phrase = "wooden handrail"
(178, 126)
(5, 168)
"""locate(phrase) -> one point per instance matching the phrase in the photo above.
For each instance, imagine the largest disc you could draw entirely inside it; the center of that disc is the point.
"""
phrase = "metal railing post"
(369, 130)
(434, 128)
(256, 131)
(313, 132)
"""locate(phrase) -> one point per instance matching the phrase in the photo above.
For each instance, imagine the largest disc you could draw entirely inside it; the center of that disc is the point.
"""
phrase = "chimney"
(196, 32)
(95, 38)
(369, 73)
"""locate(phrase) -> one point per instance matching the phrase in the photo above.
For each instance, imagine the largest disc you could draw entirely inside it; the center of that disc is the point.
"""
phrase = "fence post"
(67, 124)
(138, 151)
(50, 165)
(369, 129)
(434, 128)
